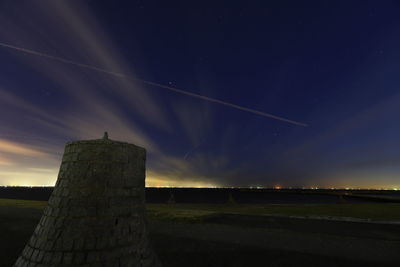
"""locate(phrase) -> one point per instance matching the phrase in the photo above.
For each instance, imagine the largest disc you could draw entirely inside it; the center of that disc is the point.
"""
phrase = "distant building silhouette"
(96, 213)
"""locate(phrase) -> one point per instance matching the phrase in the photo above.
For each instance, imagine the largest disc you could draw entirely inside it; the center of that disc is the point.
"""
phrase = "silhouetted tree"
(341, 200)
(171, 199)
(231, 200)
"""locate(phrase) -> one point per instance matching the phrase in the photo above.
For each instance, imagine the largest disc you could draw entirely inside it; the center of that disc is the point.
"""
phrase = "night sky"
(333, 65)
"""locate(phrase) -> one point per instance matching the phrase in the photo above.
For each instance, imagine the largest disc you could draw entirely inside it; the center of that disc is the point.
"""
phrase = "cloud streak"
(173, 89)
(84, 103)
(15, 148)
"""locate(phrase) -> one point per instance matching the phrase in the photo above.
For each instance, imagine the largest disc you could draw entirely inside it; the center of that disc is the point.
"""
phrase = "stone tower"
(96, 213)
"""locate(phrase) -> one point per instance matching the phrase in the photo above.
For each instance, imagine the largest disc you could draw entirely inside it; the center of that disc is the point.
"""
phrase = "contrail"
(176, 90)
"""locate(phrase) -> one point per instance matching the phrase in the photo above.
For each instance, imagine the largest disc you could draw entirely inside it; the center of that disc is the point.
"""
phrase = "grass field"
(182, 235)
(188, 212)
(194, 212)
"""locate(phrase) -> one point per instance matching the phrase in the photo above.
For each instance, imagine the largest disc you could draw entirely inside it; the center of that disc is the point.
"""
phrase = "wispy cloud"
(20, 149)
(88, 103)
(5, 161)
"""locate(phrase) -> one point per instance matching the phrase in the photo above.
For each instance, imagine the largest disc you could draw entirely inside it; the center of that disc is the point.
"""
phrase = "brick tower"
(96, 213)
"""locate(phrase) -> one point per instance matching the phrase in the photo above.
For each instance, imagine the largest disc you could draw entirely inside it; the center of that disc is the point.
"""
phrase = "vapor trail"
(176, 90)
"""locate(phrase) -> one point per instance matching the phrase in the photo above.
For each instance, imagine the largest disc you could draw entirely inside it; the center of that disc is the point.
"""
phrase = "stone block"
(95, 215)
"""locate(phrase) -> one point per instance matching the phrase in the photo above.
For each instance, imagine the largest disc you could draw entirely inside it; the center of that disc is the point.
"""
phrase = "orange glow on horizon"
(155, 179)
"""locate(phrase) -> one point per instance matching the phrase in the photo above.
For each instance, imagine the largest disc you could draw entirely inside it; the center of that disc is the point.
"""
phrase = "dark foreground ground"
(240, 195)
(242, 235)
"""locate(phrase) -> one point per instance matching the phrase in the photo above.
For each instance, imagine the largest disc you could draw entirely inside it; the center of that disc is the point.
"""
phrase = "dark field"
(255, 232)
(240, 195)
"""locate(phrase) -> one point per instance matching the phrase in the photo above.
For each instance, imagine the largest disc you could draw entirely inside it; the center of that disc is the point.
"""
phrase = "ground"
(243, 235)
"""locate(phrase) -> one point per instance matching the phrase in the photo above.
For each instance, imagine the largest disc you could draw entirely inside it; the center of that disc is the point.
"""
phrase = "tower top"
(101, 142)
